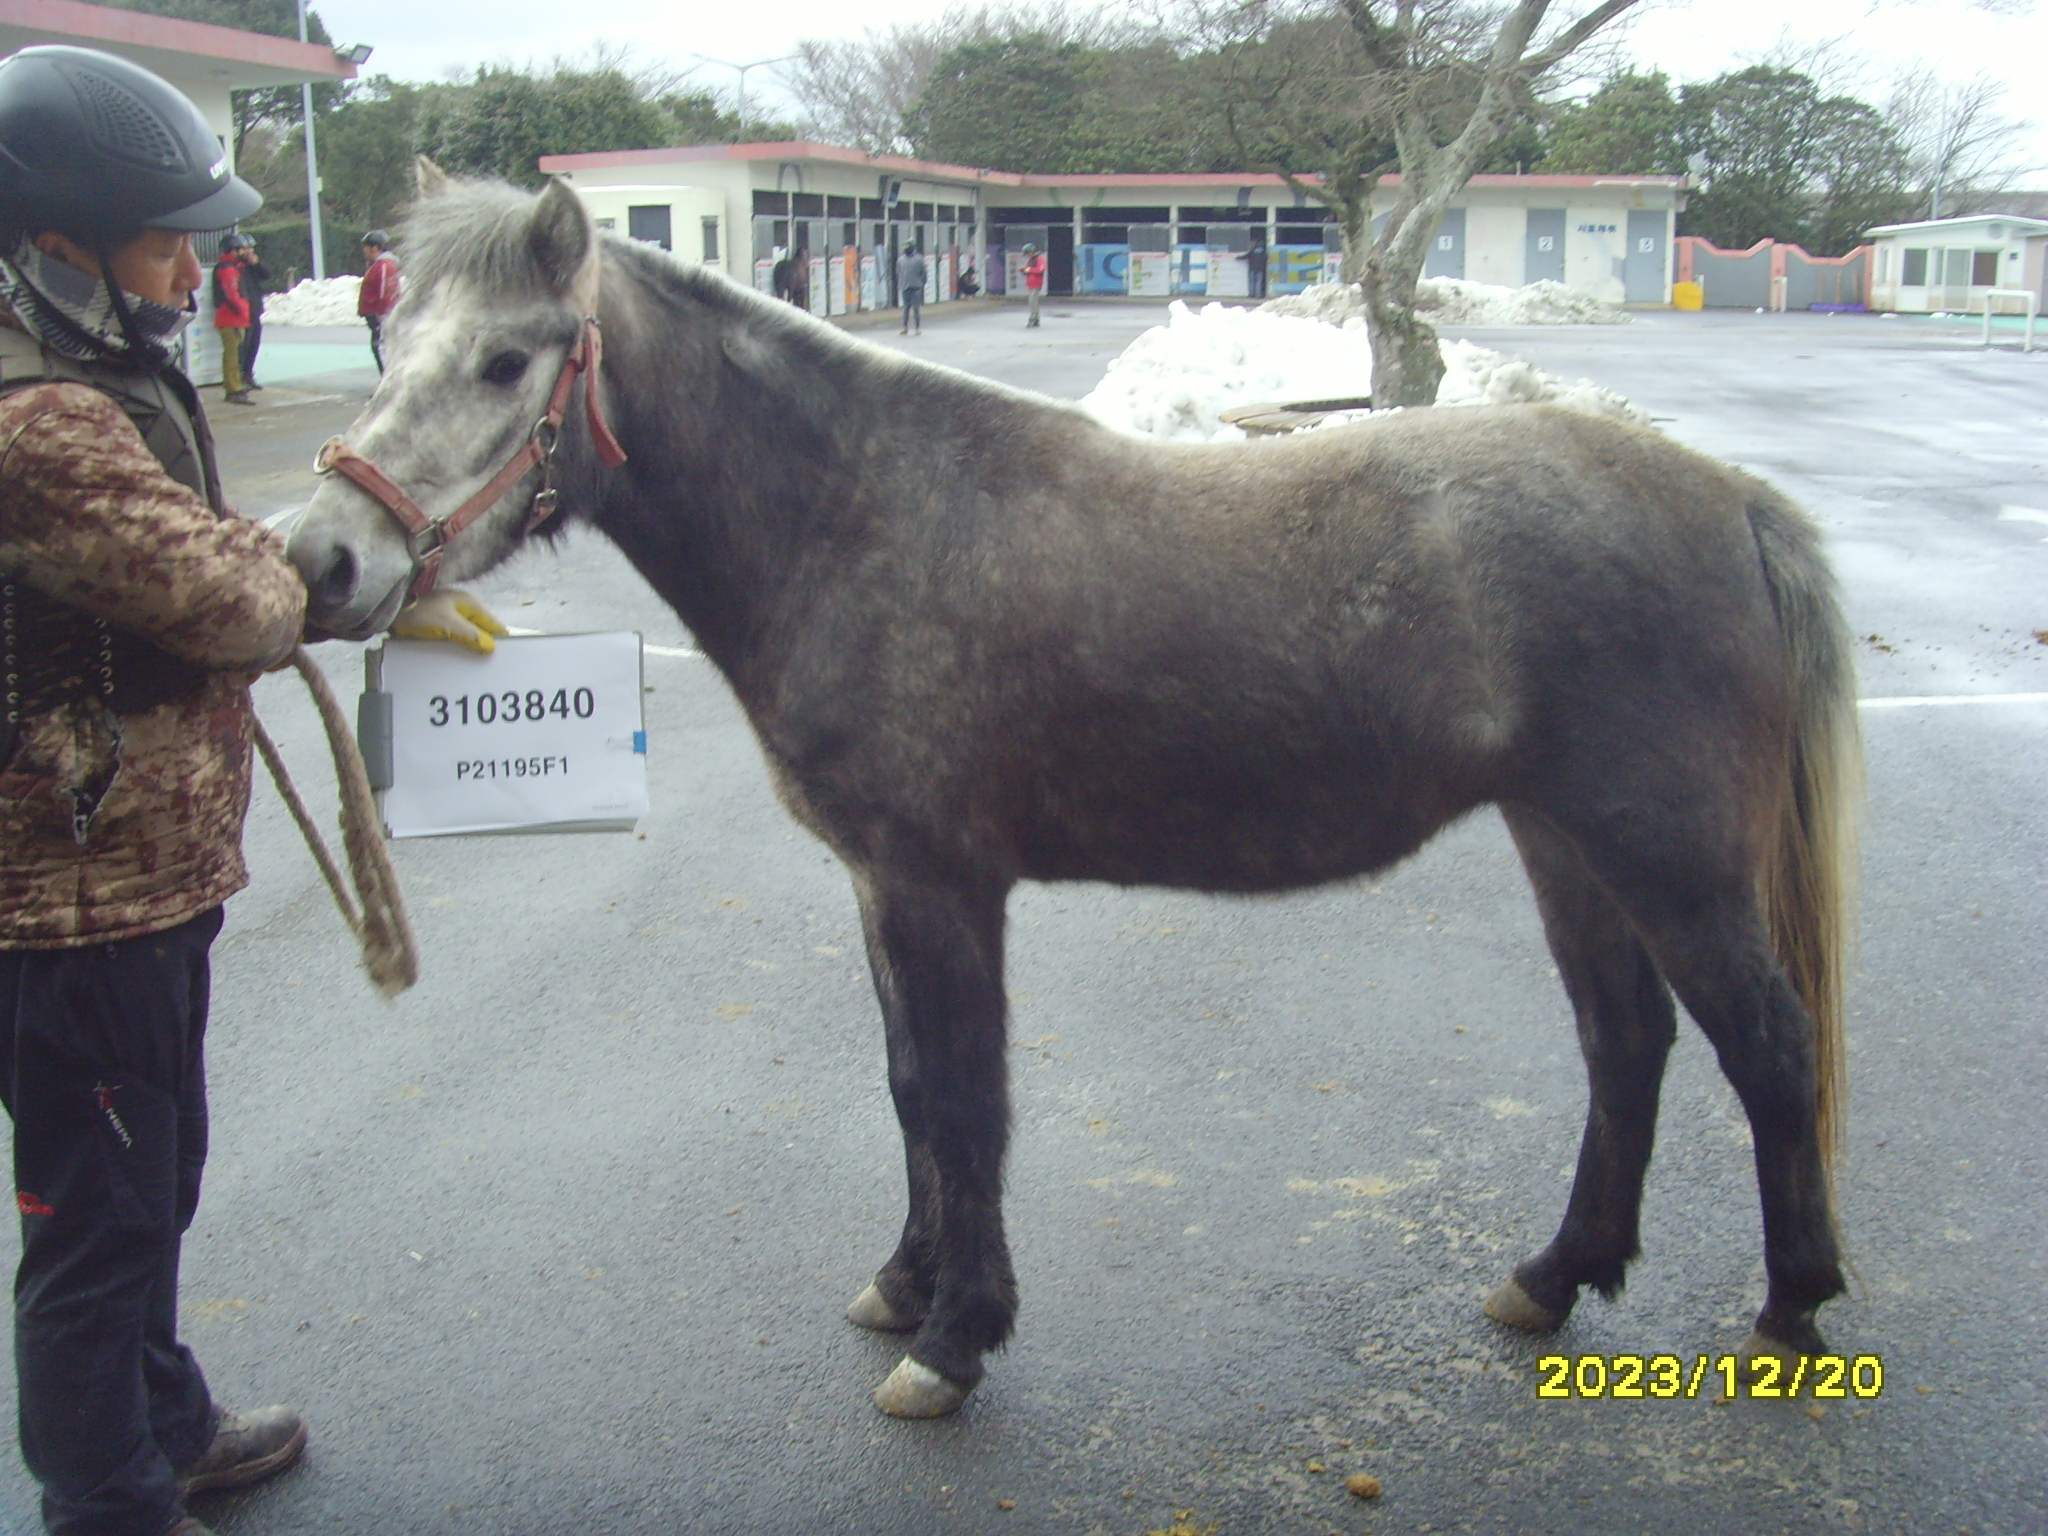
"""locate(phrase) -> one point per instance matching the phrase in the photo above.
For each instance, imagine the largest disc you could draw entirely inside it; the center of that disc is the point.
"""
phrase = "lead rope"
(390, 953)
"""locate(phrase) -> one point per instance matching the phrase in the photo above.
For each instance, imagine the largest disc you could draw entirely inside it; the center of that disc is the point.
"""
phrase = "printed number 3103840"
(511, 706)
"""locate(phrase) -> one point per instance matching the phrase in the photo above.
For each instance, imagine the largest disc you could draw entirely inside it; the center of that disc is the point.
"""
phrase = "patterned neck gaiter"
(73, 312)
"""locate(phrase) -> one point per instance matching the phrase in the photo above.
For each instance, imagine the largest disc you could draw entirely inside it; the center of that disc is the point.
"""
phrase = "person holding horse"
(137, 612)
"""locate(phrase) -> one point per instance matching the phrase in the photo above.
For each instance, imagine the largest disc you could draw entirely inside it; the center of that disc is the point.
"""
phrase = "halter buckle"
(428, 543)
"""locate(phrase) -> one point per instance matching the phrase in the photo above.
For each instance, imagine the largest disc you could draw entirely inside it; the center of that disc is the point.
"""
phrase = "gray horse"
(1007, 643)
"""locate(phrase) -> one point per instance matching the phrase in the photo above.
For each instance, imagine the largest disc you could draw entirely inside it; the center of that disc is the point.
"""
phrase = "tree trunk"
(1407, 364)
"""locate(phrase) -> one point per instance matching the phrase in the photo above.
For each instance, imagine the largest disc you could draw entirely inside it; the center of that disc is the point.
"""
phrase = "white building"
(207, 63)
(743, 207)
(1948, 265)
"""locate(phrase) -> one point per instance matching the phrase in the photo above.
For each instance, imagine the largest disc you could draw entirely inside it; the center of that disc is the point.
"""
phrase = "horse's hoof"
(1761, 1346)
(871, 1309)
(1518, 1309)
(916, 1391)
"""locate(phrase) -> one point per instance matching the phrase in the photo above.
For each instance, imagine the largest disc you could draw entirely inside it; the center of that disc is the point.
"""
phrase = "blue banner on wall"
(1292, 268)
(1101, 268)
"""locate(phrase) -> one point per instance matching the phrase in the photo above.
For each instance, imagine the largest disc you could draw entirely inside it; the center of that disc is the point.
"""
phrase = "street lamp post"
(312, 165)
(740, 109)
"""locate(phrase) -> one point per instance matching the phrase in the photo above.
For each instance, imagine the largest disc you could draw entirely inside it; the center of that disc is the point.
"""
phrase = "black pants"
(376, 325)
(252, 342)
(103, 1070)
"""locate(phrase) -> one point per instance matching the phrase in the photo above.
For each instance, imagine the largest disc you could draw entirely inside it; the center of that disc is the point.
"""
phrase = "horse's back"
(1279, 663)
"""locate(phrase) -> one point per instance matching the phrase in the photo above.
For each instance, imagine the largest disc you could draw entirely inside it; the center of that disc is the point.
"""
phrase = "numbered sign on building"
(546, 734)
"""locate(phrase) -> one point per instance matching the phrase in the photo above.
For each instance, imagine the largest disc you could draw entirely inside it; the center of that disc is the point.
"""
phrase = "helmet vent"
(123, 125)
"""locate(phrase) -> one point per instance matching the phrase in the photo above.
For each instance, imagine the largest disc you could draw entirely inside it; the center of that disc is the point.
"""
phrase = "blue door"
(1447, 248)
(1543, 246)
(1642, 269)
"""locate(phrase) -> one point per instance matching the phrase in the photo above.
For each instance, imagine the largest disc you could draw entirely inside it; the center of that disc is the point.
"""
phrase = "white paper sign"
(1150, 274)
(546, 731)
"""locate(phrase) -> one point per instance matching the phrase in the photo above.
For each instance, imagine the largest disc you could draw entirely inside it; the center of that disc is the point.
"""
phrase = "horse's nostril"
(336, 584)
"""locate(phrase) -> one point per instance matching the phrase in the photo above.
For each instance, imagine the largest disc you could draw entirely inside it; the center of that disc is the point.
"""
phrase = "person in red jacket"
(1034, 280)
(379, 294)
(231, 319)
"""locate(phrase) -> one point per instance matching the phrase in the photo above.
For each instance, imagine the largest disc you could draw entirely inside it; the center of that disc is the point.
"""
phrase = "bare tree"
(858, 91)
(1425, 87)
(855, 91)
(1958, 143)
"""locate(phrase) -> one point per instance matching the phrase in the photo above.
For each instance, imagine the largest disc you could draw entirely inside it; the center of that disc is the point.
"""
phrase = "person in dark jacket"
(138, 610)
(792, 277)
(911, 274)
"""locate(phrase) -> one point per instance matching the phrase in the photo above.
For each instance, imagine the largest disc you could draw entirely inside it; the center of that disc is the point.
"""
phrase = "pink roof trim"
(798, 149)
(103, 24)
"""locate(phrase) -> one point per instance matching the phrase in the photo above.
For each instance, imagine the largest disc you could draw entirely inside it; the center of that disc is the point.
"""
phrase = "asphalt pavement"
(559, 1242)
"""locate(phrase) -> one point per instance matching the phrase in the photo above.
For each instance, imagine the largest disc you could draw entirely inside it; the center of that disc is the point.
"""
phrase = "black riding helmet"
(95, 146)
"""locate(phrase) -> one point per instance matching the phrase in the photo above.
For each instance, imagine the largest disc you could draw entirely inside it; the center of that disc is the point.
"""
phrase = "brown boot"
(247, 1447)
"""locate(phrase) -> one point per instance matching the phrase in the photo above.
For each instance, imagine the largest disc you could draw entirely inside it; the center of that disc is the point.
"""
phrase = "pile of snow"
(1453, 301)
(1176, 380)
(315, 301)
(1475, 376)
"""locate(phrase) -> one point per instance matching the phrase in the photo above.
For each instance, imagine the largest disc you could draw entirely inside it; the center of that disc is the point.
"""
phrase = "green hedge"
(287, 243)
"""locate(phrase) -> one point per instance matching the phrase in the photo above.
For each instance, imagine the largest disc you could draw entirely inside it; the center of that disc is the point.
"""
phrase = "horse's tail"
(1809, 876)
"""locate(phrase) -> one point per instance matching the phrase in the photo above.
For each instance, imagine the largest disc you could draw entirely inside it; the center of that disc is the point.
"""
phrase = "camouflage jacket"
(90, 517)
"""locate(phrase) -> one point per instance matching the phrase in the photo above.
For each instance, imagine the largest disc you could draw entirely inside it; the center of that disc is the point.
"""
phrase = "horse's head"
(497, 284)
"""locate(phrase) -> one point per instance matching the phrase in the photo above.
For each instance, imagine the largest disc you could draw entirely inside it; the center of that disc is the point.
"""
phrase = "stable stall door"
(1447, 249)
(1543, 246)
(1642, 269)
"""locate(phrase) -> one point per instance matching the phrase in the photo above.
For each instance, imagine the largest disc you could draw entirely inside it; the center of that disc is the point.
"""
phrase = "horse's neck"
(730, 532)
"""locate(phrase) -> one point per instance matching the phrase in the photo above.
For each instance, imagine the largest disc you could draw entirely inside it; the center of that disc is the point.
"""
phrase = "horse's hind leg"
(1717, 955)
(1626, 1026)
(1693, 898)
(937, 956)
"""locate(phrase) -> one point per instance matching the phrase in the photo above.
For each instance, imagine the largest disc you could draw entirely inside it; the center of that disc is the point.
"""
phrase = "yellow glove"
(449, 615)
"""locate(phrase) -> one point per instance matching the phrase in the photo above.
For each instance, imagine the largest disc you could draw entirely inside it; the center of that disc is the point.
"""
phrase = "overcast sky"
(418, 41)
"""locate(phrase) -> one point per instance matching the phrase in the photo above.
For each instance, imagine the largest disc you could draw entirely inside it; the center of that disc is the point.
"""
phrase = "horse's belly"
(1206, 845)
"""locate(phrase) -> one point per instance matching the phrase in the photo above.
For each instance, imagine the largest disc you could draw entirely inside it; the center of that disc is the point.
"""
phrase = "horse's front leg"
(937, 955)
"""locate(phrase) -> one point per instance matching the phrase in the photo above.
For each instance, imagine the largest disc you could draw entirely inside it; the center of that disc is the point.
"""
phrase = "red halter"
(427, 538)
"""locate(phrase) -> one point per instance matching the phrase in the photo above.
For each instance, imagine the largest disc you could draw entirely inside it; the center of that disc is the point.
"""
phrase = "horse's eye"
(505, 368)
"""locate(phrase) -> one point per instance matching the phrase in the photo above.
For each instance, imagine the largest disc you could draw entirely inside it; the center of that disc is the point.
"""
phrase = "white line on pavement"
(653, 650)
(1939, 700)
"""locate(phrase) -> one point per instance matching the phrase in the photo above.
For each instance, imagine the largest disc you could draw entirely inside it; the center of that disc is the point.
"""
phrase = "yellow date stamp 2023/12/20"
(1818, 1377)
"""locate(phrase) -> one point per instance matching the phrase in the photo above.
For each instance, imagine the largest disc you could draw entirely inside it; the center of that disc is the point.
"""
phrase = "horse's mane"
(474, 232)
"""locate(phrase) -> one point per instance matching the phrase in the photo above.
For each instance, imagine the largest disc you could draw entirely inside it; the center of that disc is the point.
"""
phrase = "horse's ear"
(428, 179)
(565, 244)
